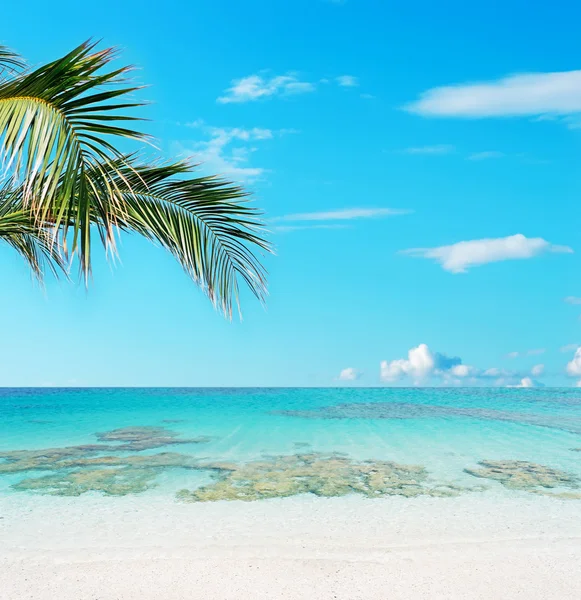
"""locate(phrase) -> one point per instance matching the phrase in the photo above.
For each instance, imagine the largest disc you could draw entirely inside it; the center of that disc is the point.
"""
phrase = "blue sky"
(377, 137)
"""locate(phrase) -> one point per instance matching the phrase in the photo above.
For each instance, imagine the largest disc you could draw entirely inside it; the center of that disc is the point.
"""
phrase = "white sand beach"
(136, 548)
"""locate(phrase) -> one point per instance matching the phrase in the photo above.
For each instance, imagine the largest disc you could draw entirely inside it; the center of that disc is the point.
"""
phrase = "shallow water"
(445, 431)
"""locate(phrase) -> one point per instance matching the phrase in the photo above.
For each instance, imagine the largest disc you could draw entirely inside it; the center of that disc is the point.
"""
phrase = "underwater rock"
(523, 475)
(146, 438)
(135, 434)
(408, 410)
(319, 474)
(15, 461)
(111, 482)
(129, 439)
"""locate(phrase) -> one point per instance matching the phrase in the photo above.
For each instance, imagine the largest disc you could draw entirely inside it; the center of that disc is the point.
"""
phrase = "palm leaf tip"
(9, 60)
(34, 242)
(206, 223)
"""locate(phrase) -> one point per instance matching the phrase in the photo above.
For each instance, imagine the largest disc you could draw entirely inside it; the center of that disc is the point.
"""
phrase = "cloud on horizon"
(349, 374)
(530, 94)
(459, 257)
(423, 366)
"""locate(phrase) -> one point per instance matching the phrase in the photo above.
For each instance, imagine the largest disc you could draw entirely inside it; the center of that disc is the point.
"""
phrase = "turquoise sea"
(448, 432)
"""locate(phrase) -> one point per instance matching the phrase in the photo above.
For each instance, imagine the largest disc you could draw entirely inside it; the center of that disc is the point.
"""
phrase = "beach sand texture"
(345, 548)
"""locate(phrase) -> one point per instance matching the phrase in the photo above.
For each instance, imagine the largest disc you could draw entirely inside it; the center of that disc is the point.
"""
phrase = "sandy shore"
(133, 548)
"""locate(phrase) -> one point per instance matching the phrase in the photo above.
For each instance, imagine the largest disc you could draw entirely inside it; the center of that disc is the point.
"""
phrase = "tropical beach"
(450, 494)
(290, 301)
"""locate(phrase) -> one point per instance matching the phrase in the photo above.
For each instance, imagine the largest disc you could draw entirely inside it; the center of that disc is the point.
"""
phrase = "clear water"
(445, 430)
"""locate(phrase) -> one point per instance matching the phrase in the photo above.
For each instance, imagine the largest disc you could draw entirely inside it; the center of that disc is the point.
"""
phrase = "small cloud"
(485, 155)
(257, 87)
(459, 257)
(418, 365)
(344, 214)
(574, 365)
(349, 374)
(367, 96)
(438, 149)
(573, 300)
(532, 94)
(569, 348)
(513, 355)
(536, 351)
(227, 151)
(525, 382)
(537, 370)
(290, 228)
(347, 81)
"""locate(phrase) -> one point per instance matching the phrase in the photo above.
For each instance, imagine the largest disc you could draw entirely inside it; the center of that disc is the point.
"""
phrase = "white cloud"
(573, 300)
(438, 149)
(367, 96)
(485, 155)
(574, 365)
(513, 355)
(418, 365)
(344, 214)
(459, 257)
(536, 351)
(525, 382)
(529, 94)
(290, 228)
(537, 370)
(257, 87)
(462, 370)
(569, 348)
(422, 366)
(347, 81)
(349, 374)
(228, 150)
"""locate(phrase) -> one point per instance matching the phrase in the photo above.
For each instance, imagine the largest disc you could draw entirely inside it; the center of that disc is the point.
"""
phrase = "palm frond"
(19, 229)
(59, 122)
(206, 223)
(9, 61)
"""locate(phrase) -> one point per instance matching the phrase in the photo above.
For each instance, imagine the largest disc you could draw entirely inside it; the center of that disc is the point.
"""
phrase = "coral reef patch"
(323, 475)
(528, 476)
(408, 410)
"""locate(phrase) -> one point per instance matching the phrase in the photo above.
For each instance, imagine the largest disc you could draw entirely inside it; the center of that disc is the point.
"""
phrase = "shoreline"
(490, 545)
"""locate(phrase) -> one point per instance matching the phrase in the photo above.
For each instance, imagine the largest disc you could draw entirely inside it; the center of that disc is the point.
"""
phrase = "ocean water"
(448, 432)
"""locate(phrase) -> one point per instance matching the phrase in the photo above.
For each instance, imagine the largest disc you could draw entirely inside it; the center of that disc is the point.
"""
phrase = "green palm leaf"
(57, 123)
(9, 60)
(60, 128)
(207, 224)
(19, 229)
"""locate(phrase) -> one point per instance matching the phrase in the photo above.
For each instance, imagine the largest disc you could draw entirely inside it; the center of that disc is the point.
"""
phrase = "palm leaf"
(9, 60)
(207, 224)
(20, 230)
(59, 122)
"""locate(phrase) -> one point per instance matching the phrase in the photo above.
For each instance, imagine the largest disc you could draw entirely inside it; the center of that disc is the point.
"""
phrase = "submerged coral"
(146, 438)
(111, 482)
(319, 474)
(409, 410)
(135, 434)
(523, 475)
